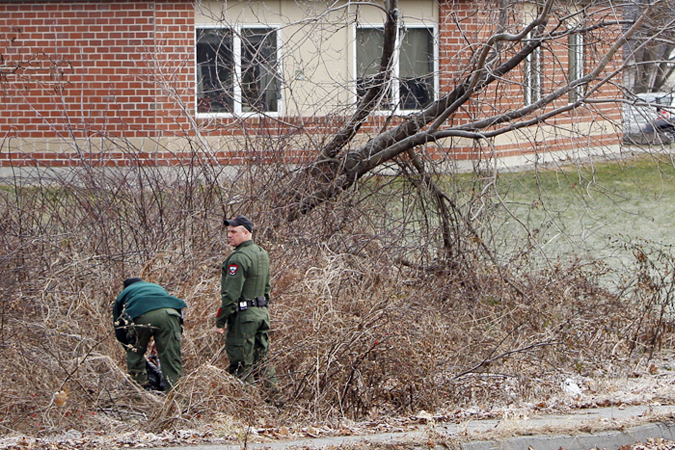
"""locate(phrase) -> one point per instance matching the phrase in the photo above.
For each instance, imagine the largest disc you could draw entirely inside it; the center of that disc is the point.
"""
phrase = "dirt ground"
(655, 387)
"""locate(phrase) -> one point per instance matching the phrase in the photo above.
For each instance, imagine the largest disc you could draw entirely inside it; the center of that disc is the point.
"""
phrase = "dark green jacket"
(139, 298)
(245, 276)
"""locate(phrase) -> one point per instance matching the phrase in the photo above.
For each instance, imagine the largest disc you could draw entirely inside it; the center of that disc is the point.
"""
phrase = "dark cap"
(240, 220)
(129, 281)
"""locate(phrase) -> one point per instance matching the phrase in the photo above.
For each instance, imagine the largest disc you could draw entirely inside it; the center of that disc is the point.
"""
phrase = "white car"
(640, 116)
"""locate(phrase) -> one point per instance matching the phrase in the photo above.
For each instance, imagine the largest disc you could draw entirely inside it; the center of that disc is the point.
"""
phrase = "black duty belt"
(258, 302)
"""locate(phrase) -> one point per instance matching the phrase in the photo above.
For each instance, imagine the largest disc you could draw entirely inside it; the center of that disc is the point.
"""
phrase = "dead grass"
(366, 325)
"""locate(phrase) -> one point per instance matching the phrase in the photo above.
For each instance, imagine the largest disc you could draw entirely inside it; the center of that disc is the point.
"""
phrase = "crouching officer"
(245, 294)
(144, 310)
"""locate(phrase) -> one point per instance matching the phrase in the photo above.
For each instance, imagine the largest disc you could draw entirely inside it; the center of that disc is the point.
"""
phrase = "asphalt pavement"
(601, 428)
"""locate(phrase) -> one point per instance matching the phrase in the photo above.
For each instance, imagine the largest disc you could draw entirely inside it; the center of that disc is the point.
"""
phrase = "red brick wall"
(93, 69)
(77, 66)
(173, 70)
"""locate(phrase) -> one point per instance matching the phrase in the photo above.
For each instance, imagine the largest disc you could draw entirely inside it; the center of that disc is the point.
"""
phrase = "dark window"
(215, 71)
(416, 68)
(412, 85)
(533, 76)
(576, 64)
(369, 42)
(229, 84)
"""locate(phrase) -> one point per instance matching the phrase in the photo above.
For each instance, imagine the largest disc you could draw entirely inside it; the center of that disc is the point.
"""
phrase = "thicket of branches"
(367, 320)
(651, 51)
(389, 296)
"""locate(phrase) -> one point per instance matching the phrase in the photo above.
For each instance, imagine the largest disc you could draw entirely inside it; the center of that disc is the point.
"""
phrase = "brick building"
(178, 81)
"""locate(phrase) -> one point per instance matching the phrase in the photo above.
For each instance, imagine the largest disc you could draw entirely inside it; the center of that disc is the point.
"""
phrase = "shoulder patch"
(233, 269)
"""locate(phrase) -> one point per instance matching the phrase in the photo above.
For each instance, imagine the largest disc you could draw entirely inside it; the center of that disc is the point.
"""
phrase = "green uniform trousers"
(247, 345)
(164, 325)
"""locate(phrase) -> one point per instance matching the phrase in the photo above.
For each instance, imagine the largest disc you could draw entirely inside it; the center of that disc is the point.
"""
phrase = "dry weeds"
(370, 327)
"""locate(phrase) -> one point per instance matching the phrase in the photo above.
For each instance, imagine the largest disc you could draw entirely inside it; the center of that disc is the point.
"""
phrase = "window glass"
(412, 84)
(369, 43)
(227, 82)
(665, 100)
(258, 70)
(533, 76)
(215, 71)
(576, 63)
(416, 68)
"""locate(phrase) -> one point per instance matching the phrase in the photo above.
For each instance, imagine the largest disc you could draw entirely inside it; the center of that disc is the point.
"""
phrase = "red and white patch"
(233, 269)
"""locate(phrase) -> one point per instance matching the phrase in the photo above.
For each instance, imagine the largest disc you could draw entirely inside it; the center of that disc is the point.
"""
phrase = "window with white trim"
(533, 76)
(413, 82)
(237, 70)
(576, 64)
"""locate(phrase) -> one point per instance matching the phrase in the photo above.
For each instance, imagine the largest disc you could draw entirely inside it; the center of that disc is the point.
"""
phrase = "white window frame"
(394, 82)
(236, 54)
(579, 56)
(532, 81)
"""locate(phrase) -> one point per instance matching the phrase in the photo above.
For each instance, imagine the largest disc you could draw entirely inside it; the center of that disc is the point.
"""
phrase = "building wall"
(467, 24)
(112, 82)
(87, 67)
(83, 72)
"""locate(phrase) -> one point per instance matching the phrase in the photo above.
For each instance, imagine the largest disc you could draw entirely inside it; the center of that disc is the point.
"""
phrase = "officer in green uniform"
(144, 310)
(245, 294)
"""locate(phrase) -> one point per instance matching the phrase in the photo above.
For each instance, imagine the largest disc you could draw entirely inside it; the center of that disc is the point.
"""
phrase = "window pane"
(533, 76)
(416, 67)
(576, 63)
(665, 100)
(369, 43)
(259, 84)
(214, 70)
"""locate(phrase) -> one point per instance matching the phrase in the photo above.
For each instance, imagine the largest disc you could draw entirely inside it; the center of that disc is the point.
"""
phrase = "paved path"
(545, 432)
(542, 436)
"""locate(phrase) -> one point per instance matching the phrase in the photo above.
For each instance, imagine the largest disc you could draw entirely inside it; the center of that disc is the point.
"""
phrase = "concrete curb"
(610, 440)
(536, 433)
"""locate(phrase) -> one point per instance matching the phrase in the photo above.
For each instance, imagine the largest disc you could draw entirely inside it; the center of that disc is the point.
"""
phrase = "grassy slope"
(580, 210)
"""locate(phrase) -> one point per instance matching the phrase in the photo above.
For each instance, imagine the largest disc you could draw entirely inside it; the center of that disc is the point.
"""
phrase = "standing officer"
(144, 310)
(245, 294)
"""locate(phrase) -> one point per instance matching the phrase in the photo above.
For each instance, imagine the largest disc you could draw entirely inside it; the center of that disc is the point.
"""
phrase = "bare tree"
(479, 107)
(651, 50)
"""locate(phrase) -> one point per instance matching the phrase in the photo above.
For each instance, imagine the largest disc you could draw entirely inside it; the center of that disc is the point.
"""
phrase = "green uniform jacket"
(245, 276)
(139, 298)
